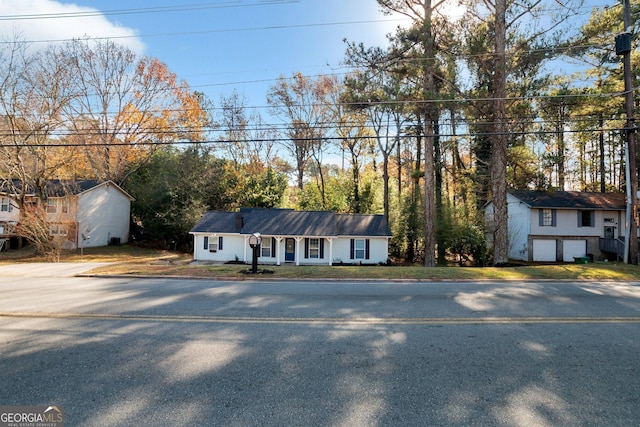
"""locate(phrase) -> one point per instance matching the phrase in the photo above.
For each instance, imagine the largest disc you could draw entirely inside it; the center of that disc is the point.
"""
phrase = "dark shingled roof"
(287, 222)
(571, 199)
(221, 222)
(363, 225)
(54, 188)
(59, 188)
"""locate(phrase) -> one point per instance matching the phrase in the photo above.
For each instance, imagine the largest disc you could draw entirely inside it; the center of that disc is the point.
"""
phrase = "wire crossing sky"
(217, 47)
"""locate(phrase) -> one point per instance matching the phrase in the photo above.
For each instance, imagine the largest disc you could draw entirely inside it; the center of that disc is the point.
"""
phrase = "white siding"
(232, 248)
(519, 228)
(336, 250)
(567, 224)
(103, 213)
(378, 250)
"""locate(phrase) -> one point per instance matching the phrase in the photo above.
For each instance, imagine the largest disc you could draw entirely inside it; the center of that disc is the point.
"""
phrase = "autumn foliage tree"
(84, 109)
(125, 108)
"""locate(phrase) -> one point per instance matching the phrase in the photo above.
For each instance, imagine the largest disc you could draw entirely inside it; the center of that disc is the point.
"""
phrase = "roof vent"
(239, 221)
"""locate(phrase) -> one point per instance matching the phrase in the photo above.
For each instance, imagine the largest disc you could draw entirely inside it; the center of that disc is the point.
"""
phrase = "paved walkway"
(47, 269)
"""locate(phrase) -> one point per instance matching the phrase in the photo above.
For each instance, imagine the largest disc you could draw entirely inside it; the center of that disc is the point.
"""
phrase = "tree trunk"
(385, 182)
(603, 175)
(499, 152)
(441, 259)
(429, 90)
(561, 150)
(429, 197)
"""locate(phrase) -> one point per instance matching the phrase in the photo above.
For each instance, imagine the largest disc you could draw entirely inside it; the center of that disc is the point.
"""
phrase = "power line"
(314, 139)
(516, 121)
(142, 10)
(228, 30)
(418, 102)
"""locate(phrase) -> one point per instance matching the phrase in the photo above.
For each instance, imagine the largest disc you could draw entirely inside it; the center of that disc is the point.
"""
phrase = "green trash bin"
(581, 259)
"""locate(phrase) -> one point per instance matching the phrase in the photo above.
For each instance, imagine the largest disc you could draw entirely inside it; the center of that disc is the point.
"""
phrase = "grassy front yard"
(129, 260)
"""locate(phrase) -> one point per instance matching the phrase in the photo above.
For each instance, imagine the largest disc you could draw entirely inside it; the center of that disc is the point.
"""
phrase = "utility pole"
(623, 47)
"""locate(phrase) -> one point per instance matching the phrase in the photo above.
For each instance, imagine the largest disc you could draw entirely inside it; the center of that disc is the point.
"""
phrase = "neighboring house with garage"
(289, 236)
(563, 225)
(80, 213)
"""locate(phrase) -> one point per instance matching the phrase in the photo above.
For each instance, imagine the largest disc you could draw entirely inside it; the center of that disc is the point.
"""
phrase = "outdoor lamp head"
(255, 239)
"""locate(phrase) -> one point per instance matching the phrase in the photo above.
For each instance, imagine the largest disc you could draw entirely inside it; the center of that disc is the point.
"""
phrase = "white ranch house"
(564, 225)
(82, 213)
(292, 237)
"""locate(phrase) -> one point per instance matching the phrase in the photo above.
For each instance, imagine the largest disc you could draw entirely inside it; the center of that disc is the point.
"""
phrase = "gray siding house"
(559, 226)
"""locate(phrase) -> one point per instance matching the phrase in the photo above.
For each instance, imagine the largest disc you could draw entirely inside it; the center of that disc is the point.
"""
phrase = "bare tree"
(303, 104)
(246, 138)
(33, 93)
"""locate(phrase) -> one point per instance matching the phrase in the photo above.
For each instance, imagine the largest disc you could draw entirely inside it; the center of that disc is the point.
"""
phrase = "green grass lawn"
(131, 260)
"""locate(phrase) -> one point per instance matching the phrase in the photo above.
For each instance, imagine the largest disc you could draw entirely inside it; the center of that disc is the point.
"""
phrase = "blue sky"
(216, 46)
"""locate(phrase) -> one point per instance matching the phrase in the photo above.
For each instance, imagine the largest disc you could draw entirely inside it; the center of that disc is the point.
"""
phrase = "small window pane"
(359, 249)
(314, 248)
(5, 204)
(213, 244)
(587, 218)
(265, 247)
(51, 206)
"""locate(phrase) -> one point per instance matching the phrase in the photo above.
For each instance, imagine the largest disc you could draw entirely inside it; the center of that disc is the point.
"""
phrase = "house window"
(586, 219)
(52, 206)
(548, 218)
(359, 248)
(265, 247)
(64, 206)
(314, 248)
(58, 230)
(212, 244)
(5, 204)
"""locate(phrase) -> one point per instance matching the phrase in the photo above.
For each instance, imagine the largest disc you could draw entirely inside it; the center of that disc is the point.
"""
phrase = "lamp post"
(254, 241)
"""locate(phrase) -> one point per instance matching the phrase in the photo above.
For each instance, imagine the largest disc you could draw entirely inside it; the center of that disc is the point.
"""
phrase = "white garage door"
(544, 250)
(573, 248)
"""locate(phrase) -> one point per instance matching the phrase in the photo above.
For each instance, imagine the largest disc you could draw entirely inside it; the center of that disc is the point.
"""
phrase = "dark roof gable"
(287, 222)
(571, 199)
(56, 187)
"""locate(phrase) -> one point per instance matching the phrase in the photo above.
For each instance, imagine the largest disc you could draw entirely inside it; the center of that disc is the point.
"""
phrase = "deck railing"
(615, 246)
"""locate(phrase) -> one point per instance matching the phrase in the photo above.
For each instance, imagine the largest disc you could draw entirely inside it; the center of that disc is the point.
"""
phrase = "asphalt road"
(165, 352)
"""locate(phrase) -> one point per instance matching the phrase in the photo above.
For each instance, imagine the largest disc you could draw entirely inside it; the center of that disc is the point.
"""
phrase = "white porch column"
(277, 249)
(246, 243)
(330, 251)
(298, 240)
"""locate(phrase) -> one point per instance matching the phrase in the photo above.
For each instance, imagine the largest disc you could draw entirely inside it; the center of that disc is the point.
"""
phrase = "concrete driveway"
(47, 269)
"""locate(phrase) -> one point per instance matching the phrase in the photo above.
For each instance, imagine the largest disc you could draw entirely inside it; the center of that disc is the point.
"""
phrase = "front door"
(290, 250)
(609, 232)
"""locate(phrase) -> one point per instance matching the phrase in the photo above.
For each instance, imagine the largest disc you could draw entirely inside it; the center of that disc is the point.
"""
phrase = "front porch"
(292, 250)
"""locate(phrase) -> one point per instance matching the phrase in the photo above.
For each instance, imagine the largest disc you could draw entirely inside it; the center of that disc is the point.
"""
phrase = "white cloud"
(45, 29)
